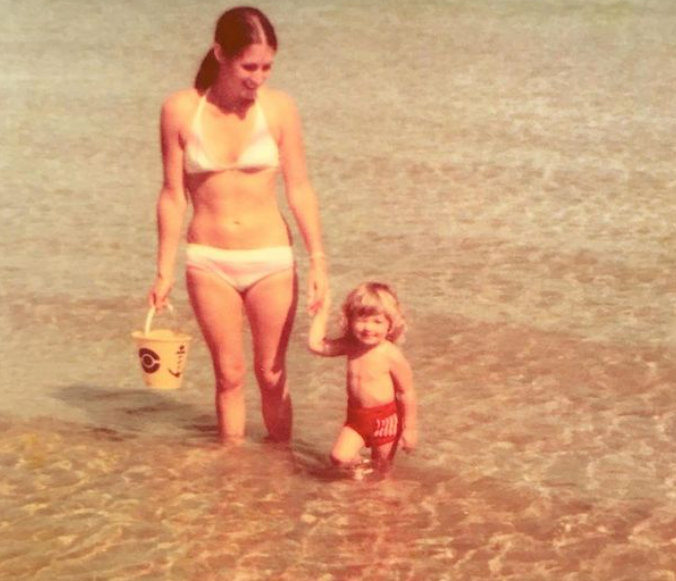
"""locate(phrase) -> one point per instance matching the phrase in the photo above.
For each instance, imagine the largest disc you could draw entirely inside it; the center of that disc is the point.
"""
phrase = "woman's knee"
(271, 378)
(230, 376)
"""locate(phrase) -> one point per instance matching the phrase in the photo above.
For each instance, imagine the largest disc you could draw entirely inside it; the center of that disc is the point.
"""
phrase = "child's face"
(370, 330)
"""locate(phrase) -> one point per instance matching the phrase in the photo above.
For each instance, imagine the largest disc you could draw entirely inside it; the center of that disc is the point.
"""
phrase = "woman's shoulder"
(275, 97)
(178, 109)
(278, 103)
(181, 102)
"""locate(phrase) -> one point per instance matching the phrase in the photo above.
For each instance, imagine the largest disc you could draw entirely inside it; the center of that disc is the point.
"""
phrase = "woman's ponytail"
(206, 74)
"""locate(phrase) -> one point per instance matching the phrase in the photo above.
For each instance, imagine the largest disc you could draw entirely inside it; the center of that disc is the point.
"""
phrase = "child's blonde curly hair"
(374, 298)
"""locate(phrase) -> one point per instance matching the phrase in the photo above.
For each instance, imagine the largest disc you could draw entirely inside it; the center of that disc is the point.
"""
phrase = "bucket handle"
(151, 315)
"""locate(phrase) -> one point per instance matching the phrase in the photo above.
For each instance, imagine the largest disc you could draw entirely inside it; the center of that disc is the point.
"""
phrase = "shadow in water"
(139, 410)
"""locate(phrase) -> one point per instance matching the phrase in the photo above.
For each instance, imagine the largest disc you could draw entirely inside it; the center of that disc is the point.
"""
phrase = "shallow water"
(507, 166)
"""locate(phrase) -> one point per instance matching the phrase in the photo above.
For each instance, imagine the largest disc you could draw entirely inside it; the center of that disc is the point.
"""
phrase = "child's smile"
(370, 330)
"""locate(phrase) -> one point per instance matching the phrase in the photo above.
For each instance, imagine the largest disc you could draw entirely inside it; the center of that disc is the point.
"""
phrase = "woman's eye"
(254, 68)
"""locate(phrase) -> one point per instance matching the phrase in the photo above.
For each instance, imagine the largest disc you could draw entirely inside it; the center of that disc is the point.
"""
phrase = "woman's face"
(249, 70)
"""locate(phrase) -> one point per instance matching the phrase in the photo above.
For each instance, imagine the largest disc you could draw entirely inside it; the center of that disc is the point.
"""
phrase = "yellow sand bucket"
(163, 354)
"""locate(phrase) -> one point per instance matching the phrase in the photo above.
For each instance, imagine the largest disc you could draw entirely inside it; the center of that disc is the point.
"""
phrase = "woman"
(223, 142)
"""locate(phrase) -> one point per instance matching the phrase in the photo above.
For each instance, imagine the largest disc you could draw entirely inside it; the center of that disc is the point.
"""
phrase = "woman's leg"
(271, 307)
(218, 308)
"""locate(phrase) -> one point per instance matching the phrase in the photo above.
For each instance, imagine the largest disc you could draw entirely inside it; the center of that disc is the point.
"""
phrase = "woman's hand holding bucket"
(158, 298)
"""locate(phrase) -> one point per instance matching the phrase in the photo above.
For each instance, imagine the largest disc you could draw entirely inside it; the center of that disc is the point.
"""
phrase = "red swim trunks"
(367, 421)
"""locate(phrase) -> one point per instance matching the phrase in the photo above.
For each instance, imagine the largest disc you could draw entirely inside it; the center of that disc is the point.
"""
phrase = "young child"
(381, 407)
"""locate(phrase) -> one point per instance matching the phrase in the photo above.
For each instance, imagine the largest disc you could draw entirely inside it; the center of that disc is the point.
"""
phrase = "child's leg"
(383, 455)
(346, 449)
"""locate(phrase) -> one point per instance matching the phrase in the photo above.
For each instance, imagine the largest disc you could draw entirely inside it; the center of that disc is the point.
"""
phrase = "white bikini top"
(260, 153)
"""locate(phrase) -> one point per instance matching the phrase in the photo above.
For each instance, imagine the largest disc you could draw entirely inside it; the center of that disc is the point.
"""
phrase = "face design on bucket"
(150, 361)
(370, 330)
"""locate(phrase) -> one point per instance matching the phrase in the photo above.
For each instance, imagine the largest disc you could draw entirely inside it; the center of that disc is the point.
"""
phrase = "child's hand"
(409, 439)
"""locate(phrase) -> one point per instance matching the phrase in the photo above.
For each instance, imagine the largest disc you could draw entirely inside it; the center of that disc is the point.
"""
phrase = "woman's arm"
(302, 199)
(171, 202)
(402, 376)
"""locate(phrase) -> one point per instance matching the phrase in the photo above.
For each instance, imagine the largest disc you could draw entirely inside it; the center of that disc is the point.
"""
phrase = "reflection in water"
(507, 166)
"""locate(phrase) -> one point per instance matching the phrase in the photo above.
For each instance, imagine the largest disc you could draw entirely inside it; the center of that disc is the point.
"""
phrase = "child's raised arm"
(317, 340)
(402, 376)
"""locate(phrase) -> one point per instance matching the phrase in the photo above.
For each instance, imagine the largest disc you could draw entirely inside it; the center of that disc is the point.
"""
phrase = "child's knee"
(339, 461)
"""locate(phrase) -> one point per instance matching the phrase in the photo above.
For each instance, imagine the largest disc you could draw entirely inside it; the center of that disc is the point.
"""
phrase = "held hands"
(324, 307)
(158, 296)
(317, 284)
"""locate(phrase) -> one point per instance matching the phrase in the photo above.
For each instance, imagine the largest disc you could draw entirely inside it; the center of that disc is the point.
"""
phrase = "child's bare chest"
(370, 371)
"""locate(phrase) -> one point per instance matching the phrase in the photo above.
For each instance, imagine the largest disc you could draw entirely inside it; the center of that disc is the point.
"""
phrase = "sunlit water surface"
(507, 166)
